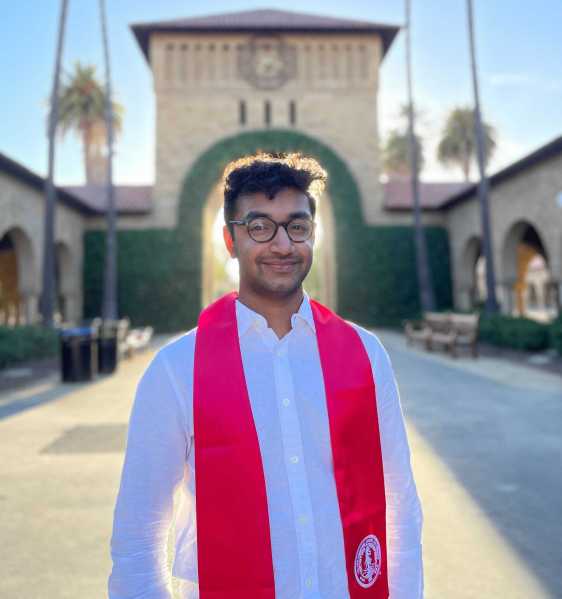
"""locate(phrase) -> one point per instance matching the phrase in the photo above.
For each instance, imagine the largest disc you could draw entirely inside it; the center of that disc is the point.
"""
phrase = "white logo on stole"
(368, 561)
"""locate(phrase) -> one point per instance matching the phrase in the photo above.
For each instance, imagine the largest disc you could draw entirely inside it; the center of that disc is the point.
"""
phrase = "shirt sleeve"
(157, 446)
(403, 509)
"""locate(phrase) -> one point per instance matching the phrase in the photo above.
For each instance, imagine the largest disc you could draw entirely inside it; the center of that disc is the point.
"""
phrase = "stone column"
(72, 308)
(506, 297)
(31, 307)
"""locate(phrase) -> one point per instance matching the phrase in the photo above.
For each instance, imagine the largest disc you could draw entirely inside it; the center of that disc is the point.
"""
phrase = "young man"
(273, 431)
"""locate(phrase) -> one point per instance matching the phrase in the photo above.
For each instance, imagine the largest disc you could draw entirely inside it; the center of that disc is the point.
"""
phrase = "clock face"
(266, 62)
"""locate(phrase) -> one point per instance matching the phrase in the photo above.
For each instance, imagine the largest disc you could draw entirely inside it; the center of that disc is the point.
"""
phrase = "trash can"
(79, 354)
(108, 346)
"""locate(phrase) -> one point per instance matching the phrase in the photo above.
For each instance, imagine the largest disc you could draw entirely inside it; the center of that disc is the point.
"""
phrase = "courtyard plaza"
(486, 452)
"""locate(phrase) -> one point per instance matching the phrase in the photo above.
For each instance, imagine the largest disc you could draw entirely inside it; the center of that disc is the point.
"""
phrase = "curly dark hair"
(270, 173)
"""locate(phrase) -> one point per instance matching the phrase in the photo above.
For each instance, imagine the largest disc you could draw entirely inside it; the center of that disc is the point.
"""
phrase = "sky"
(519, 52)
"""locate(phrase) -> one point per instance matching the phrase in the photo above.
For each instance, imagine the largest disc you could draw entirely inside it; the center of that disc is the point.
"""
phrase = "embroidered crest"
(368, 561)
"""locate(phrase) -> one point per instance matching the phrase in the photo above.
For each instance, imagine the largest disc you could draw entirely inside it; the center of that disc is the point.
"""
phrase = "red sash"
(233, 535)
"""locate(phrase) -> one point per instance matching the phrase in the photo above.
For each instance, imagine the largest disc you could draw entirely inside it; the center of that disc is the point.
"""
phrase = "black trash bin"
(108, 355)
(79, 354)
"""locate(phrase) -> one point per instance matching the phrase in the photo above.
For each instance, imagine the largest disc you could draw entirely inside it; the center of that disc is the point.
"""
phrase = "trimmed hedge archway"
(160, 278)
(208, 169)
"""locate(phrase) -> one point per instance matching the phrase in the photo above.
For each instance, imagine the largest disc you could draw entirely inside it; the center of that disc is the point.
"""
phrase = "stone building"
(268, 75)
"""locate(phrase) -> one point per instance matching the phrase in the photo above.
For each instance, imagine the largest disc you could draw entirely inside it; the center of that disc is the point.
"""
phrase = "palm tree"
(427, 297)
(82, 109)
(49, 284)
(458, 140)
(482, 153)
(396, 154)
(109, 310)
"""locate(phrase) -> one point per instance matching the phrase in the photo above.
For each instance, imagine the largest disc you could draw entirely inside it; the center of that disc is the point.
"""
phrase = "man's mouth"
(281, 265)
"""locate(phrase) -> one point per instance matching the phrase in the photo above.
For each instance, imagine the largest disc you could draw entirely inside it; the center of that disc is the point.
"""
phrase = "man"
(273, 431)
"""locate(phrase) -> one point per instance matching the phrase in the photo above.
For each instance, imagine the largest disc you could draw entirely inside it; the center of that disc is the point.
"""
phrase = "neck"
(276, 310)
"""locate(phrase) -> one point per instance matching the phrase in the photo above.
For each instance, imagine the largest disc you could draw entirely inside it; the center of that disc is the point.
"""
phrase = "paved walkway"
(486, 447)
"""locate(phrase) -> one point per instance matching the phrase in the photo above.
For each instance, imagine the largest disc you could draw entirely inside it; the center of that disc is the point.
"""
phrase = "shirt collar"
(247, 318)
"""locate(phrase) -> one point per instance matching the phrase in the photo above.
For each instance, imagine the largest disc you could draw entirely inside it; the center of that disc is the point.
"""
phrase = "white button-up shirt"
(286, 391)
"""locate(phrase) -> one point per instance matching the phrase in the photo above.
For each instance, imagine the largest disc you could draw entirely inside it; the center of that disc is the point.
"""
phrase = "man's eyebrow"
(257, 214)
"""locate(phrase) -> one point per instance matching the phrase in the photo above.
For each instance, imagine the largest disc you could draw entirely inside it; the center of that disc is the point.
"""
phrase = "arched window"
(169, 62)
(293, 112)
(183, 63)
(242, 112)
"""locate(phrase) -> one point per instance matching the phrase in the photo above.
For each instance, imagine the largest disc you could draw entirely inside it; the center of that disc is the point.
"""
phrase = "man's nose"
(282, 242)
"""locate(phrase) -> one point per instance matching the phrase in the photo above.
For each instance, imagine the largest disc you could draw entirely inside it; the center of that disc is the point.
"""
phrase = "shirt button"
(308, 583)
(295, 459)
(286, 402)
(303, 519)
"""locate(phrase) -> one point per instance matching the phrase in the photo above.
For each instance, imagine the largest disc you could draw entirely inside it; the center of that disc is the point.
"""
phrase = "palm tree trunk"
(109, 310)
(491, 301)
(49, 283)
(427, 299)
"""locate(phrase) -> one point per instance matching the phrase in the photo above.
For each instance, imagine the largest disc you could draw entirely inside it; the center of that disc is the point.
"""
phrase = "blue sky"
(519, 55)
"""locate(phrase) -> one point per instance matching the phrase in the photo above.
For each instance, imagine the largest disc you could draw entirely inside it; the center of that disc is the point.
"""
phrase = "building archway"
(525, 265)
(471, 273)
(339, 209)
(18, 297)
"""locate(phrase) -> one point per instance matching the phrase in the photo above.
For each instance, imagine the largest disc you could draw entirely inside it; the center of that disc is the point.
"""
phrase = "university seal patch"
(368, 561)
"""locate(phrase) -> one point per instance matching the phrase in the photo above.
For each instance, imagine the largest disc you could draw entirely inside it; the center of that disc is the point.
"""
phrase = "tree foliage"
(458, 141)
(396, 154)
(82, 110)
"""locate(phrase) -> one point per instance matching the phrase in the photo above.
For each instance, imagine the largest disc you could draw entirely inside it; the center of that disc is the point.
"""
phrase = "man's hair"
(269, 174)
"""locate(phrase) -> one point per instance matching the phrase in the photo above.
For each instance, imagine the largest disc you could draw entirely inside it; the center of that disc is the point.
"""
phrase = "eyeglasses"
(263, 229)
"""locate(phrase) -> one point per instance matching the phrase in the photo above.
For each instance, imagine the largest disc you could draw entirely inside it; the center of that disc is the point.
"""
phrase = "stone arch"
(345, 215)
(18, 296)
(522, 244)
(468, 281)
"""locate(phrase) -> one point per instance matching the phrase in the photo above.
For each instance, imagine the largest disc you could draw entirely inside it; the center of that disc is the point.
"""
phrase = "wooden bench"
(137, 339)
(445, 329)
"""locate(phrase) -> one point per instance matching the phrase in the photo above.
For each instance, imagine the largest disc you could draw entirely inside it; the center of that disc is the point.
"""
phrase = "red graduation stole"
(233, 535)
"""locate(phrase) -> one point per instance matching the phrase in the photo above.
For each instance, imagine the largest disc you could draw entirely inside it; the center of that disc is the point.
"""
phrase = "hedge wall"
(160, 286)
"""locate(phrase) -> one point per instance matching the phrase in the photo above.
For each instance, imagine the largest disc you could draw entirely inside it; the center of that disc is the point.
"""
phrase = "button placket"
(296, 472)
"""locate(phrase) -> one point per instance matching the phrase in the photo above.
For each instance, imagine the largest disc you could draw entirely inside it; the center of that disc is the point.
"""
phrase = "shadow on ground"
(503, 444)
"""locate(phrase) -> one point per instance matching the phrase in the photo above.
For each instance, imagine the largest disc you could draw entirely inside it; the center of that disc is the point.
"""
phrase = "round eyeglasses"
(263, 229)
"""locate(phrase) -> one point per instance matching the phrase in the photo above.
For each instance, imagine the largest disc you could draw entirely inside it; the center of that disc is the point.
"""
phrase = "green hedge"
(515, 332)
(158, 285)
(152, 288)
(21, 344)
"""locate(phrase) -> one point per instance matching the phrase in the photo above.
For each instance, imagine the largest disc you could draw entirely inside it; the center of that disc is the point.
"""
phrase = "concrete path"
(487, 453)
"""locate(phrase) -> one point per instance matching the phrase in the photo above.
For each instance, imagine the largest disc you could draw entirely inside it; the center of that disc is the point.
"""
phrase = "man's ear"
(228, 241)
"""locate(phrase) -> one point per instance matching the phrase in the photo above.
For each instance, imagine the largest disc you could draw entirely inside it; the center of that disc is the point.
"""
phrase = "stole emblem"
(368, 561)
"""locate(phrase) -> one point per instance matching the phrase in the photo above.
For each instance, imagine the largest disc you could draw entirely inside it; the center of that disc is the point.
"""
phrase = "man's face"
(278, 267)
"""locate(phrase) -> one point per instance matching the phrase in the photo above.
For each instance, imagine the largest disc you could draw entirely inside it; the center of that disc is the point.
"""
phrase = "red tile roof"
(398, 194)
(129, 199)
(253, 21)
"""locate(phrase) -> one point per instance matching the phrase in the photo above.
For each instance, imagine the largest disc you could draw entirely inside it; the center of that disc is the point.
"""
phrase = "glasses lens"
(299, 229)
(261, 229)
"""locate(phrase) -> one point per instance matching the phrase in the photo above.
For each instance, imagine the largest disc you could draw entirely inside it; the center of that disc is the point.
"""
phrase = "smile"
(281, 266)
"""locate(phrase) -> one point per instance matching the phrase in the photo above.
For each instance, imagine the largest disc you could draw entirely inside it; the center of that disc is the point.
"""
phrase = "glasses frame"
(246, 221)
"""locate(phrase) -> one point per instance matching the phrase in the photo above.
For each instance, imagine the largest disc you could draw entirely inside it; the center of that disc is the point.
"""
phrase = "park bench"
(137, 339)
(445, 329)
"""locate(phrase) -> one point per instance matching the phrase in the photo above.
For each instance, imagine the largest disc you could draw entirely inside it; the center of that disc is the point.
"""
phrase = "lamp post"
(491, 304)
(427, 299)
(47, 303)
(109, 308)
